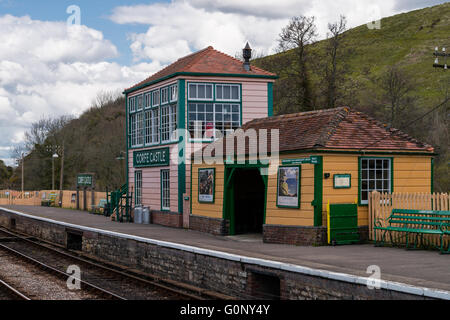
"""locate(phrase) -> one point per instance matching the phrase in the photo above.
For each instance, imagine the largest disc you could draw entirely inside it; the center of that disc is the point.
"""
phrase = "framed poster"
(288, 188)
(206, 185)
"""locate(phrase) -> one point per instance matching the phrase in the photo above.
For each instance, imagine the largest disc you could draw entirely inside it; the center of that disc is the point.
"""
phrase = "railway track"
(108, 281)
(8, 292)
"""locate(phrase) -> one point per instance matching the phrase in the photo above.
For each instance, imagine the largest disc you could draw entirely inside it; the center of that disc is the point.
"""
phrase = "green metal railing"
(120, 203)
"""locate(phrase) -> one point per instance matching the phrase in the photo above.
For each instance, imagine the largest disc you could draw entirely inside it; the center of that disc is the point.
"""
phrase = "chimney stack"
(247, 54)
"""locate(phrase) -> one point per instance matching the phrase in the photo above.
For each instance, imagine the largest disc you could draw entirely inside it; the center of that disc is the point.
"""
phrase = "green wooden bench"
(97, 208)
(50, 201)
(418, 222)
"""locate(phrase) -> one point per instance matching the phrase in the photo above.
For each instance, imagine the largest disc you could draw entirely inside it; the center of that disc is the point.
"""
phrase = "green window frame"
(155, 98)
(297, 205)
(229, 89)
(164, 95)
(132, 104)
(374, 173)
(200, 91)
(165, 189)
(140, 102)
(138, 187)
(224, 115)
(173, 93)
(213, 185)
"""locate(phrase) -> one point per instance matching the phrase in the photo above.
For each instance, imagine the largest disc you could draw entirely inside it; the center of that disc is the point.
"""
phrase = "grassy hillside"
(406, 39)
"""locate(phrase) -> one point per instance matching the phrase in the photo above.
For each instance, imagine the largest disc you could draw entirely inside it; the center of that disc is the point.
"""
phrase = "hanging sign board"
(85, 180)
(151, 158)
(310, 160)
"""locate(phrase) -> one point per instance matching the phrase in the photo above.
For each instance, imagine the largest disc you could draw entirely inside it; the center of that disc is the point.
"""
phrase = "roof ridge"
(179, 60)
(237, 60)
(198, 54)
(294, 115)
(329, 130)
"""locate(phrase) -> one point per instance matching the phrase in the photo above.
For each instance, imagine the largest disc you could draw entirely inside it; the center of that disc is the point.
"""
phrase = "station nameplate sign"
(85, 180)
(151, 158)
(310, 160)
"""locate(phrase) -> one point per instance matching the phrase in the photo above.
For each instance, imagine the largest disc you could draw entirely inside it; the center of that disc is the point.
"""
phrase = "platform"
(419, 268)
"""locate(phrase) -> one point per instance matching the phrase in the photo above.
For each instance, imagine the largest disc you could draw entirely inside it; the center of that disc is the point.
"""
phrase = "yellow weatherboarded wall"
(411, 173)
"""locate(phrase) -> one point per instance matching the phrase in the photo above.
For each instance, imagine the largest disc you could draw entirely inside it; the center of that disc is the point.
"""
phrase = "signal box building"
(206, 92)
(335, 156)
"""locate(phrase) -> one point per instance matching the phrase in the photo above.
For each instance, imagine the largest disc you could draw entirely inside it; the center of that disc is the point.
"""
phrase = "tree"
(300, 32)
(396, 86)
(334, 74)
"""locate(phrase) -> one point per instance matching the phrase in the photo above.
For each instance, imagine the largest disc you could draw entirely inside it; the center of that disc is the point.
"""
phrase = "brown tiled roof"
(332, 129)
(207, 60)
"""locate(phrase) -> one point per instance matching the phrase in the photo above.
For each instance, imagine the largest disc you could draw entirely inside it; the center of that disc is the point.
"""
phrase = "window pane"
(192, 91)
(364, 185)
(371, 164)
(379, 185)
(201, 107)
(209, 107)
(364, 164)
(209, 89)
(201, 91)
(218, 108)
(235, 93)
(219, 92)
(235, 108)
(364, 195)
(364, 174)
(227, 92)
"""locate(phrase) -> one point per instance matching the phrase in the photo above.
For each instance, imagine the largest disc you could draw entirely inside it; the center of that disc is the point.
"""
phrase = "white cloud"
(183, 26)
(49, 69)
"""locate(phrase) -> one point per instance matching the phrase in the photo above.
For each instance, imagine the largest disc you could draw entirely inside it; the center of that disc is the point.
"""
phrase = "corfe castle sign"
(151, 158)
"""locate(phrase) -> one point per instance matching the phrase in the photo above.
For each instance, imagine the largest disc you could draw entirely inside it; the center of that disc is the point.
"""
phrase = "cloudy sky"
(50, 66)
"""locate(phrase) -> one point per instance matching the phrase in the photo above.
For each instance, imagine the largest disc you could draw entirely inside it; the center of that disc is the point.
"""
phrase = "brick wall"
(209, 225)
(168, 219)
(295, 235)
(303, 236)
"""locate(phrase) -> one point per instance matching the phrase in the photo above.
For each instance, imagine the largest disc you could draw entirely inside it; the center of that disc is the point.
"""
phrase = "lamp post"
(121, 157)
(53, 170)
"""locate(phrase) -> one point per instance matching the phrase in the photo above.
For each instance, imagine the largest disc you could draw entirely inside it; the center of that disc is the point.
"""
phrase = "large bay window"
(152, 120)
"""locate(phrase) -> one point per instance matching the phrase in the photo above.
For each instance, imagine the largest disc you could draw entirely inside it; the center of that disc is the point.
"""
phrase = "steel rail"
(87, 285)
(168, 285)
(13, 291)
